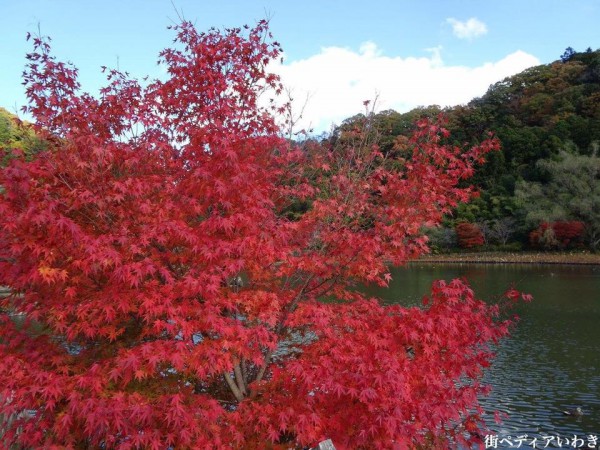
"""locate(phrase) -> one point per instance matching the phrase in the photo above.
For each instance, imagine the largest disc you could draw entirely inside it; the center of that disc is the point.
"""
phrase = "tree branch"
(239, 378)
(279, 328)
(234, 389)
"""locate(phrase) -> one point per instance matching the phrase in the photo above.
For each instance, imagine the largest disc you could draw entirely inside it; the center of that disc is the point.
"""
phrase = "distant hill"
(16, 134)
(538, 115)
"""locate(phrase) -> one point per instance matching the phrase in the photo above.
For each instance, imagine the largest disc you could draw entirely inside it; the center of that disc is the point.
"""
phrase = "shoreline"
(587, 259)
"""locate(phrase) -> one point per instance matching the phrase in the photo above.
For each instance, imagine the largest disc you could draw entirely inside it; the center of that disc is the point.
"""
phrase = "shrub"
(558, 235)
(469, 235)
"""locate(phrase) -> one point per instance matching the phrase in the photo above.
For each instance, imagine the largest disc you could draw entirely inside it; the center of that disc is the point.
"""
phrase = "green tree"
(572, 192)
(567, 55)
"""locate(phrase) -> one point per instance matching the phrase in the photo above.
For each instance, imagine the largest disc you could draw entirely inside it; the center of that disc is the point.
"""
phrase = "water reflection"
(551, 362)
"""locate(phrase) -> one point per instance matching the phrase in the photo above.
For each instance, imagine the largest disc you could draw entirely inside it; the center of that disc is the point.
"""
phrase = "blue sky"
(337, 53)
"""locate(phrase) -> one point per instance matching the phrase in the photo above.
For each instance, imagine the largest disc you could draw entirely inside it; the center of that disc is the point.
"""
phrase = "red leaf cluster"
(162, 296)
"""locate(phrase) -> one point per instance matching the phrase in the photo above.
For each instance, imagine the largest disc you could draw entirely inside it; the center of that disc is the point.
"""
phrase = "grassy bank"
(514, 258)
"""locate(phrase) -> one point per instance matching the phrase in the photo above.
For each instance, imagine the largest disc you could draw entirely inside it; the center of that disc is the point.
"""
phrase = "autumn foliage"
(163, 296)
(558, 235)
(469, 235)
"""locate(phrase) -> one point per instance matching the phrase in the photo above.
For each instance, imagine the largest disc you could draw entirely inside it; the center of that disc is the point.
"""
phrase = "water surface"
(550, 363)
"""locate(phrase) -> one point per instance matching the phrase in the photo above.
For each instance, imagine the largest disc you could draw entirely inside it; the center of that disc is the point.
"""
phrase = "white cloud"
(338, 80)
(470, 29)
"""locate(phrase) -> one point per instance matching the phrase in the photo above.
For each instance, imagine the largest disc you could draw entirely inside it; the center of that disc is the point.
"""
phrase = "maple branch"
(62, 179)
(333, 281)
(263, 368)
(234, 389)
(244, 371)
(239, 377)
(279, 328)
(322, 283)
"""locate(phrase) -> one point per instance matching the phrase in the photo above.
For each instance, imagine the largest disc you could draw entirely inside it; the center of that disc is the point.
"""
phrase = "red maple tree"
(469, 235)
(162, 295)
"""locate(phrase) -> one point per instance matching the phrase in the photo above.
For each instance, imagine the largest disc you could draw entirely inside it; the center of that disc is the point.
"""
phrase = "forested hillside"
(546, 180)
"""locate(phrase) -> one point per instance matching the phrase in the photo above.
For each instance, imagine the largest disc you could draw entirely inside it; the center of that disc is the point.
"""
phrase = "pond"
(550, 363)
